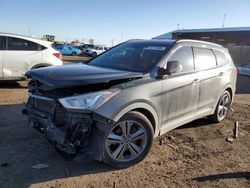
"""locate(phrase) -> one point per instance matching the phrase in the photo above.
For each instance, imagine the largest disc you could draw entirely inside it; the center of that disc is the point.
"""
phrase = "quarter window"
(204, 59)
(221, 58)
(185, 57)
(21, 44)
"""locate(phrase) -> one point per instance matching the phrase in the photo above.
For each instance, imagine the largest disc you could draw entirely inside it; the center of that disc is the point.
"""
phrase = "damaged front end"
(70, 132)
(62, 102)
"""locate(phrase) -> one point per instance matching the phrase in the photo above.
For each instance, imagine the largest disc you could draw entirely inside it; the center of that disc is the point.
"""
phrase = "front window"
(184, 56)
(138, 57)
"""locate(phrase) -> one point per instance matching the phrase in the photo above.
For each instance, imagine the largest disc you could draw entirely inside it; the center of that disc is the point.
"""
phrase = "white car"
(96, 50)
(18, 54)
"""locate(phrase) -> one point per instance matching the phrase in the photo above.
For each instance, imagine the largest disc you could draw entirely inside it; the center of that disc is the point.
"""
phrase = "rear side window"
(221, 57)
(21, 44)
(41, 47)
(185, 57)
(204, 59)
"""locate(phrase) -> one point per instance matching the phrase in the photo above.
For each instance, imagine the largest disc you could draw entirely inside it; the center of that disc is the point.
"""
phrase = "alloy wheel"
(223, 106)
(126, 141)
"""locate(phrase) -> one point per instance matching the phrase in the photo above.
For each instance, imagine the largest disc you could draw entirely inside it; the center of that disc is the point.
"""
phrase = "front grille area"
(41, 105)
(50, 107)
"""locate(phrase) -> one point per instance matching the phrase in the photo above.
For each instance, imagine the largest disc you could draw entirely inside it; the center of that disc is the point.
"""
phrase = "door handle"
(196, 81)
(221, 73)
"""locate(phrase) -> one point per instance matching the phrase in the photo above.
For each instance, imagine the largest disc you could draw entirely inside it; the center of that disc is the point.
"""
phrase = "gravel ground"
(194, 155)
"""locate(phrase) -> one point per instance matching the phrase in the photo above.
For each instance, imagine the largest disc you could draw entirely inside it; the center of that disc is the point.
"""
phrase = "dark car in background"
(113, 107)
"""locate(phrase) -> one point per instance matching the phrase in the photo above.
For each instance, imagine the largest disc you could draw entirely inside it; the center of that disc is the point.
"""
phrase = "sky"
(117, 20)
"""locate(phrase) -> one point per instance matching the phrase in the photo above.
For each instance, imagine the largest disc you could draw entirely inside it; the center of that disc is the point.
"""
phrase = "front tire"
(129, 141)
(222, 108)
(94, 54)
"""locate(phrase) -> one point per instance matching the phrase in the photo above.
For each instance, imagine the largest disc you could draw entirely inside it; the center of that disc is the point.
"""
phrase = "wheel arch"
(146, 109)
(39, 65)
(228, 88)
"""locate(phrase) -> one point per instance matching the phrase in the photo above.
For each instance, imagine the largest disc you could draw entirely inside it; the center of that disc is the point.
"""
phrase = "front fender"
(141, 105)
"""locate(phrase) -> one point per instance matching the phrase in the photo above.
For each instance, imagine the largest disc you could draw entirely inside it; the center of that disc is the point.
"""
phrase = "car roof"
(33, 39)
(199, 43)
(196, 43)
(153, 41)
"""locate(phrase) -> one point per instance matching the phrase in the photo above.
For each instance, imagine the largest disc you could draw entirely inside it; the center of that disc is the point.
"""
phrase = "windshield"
(139, 57)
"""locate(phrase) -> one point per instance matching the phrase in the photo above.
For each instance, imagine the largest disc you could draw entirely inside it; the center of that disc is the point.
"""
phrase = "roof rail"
(197, 41)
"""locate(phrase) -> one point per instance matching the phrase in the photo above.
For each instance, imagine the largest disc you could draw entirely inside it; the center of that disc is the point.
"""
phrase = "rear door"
(19, 57)
(1, 56)
(210, 79)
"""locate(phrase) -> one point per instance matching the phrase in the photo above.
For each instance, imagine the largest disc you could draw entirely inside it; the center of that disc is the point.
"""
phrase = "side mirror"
(172, 67)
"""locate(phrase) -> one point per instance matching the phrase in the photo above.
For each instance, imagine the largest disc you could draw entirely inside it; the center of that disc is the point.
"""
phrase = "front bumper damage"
(70, 132)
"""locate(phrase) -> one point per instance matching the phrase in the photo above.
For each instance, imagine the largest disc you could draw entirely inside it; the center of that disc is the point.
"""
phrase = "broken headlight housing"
(89, 101)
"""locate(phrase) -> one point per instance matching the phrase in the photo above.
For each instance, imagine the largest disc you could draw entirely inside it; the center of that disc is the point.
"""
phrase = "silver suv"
(111, 108)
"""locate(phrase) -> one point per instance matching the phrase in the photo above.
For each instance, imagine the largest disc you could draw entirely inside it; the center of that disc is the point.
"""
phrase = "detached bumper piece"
(71, 132)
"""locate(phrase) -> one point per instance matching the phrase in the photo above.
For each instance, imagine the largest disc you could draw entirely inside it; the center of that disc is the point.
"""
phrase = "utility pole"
(112, 42)
(178, 26)
(224, 19)
(29, 31)
(121, 36)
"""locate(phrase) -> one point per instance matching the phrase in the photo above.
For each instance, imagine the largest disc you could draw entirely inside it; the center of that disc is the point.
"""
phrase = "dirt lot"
(195, 155)
(75, 59)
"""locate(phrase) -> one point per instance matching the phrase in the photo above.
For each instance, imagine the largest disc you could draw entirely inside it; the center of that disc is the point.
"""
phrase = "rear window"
(221, 57)
(204, 58)
(21, 44)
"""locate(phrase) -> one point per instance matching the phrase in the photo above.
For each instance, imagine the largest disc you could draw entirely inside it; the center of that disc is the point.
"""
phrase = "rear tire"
(222, 108)
(94, 54)
(129, 141)
(74, 54)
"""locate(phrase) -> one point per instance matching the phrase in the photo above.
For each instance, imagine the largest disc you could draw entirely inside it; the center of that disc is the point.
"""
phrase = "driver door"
(180, 92)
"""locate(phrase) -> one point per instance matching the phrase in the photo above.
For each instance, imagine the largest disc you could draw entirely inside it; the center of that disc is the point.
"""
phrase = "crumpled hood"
(78, 74)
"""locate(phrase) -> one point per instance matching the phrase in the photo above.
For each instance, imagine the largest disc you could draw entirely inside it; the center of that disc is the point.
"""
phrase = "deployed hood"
(78, 75)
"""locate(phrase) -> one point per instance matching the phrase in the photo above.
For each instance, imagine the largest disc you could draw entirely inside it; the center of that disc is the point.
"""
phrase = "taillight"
(58, 55)
(236, 70)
